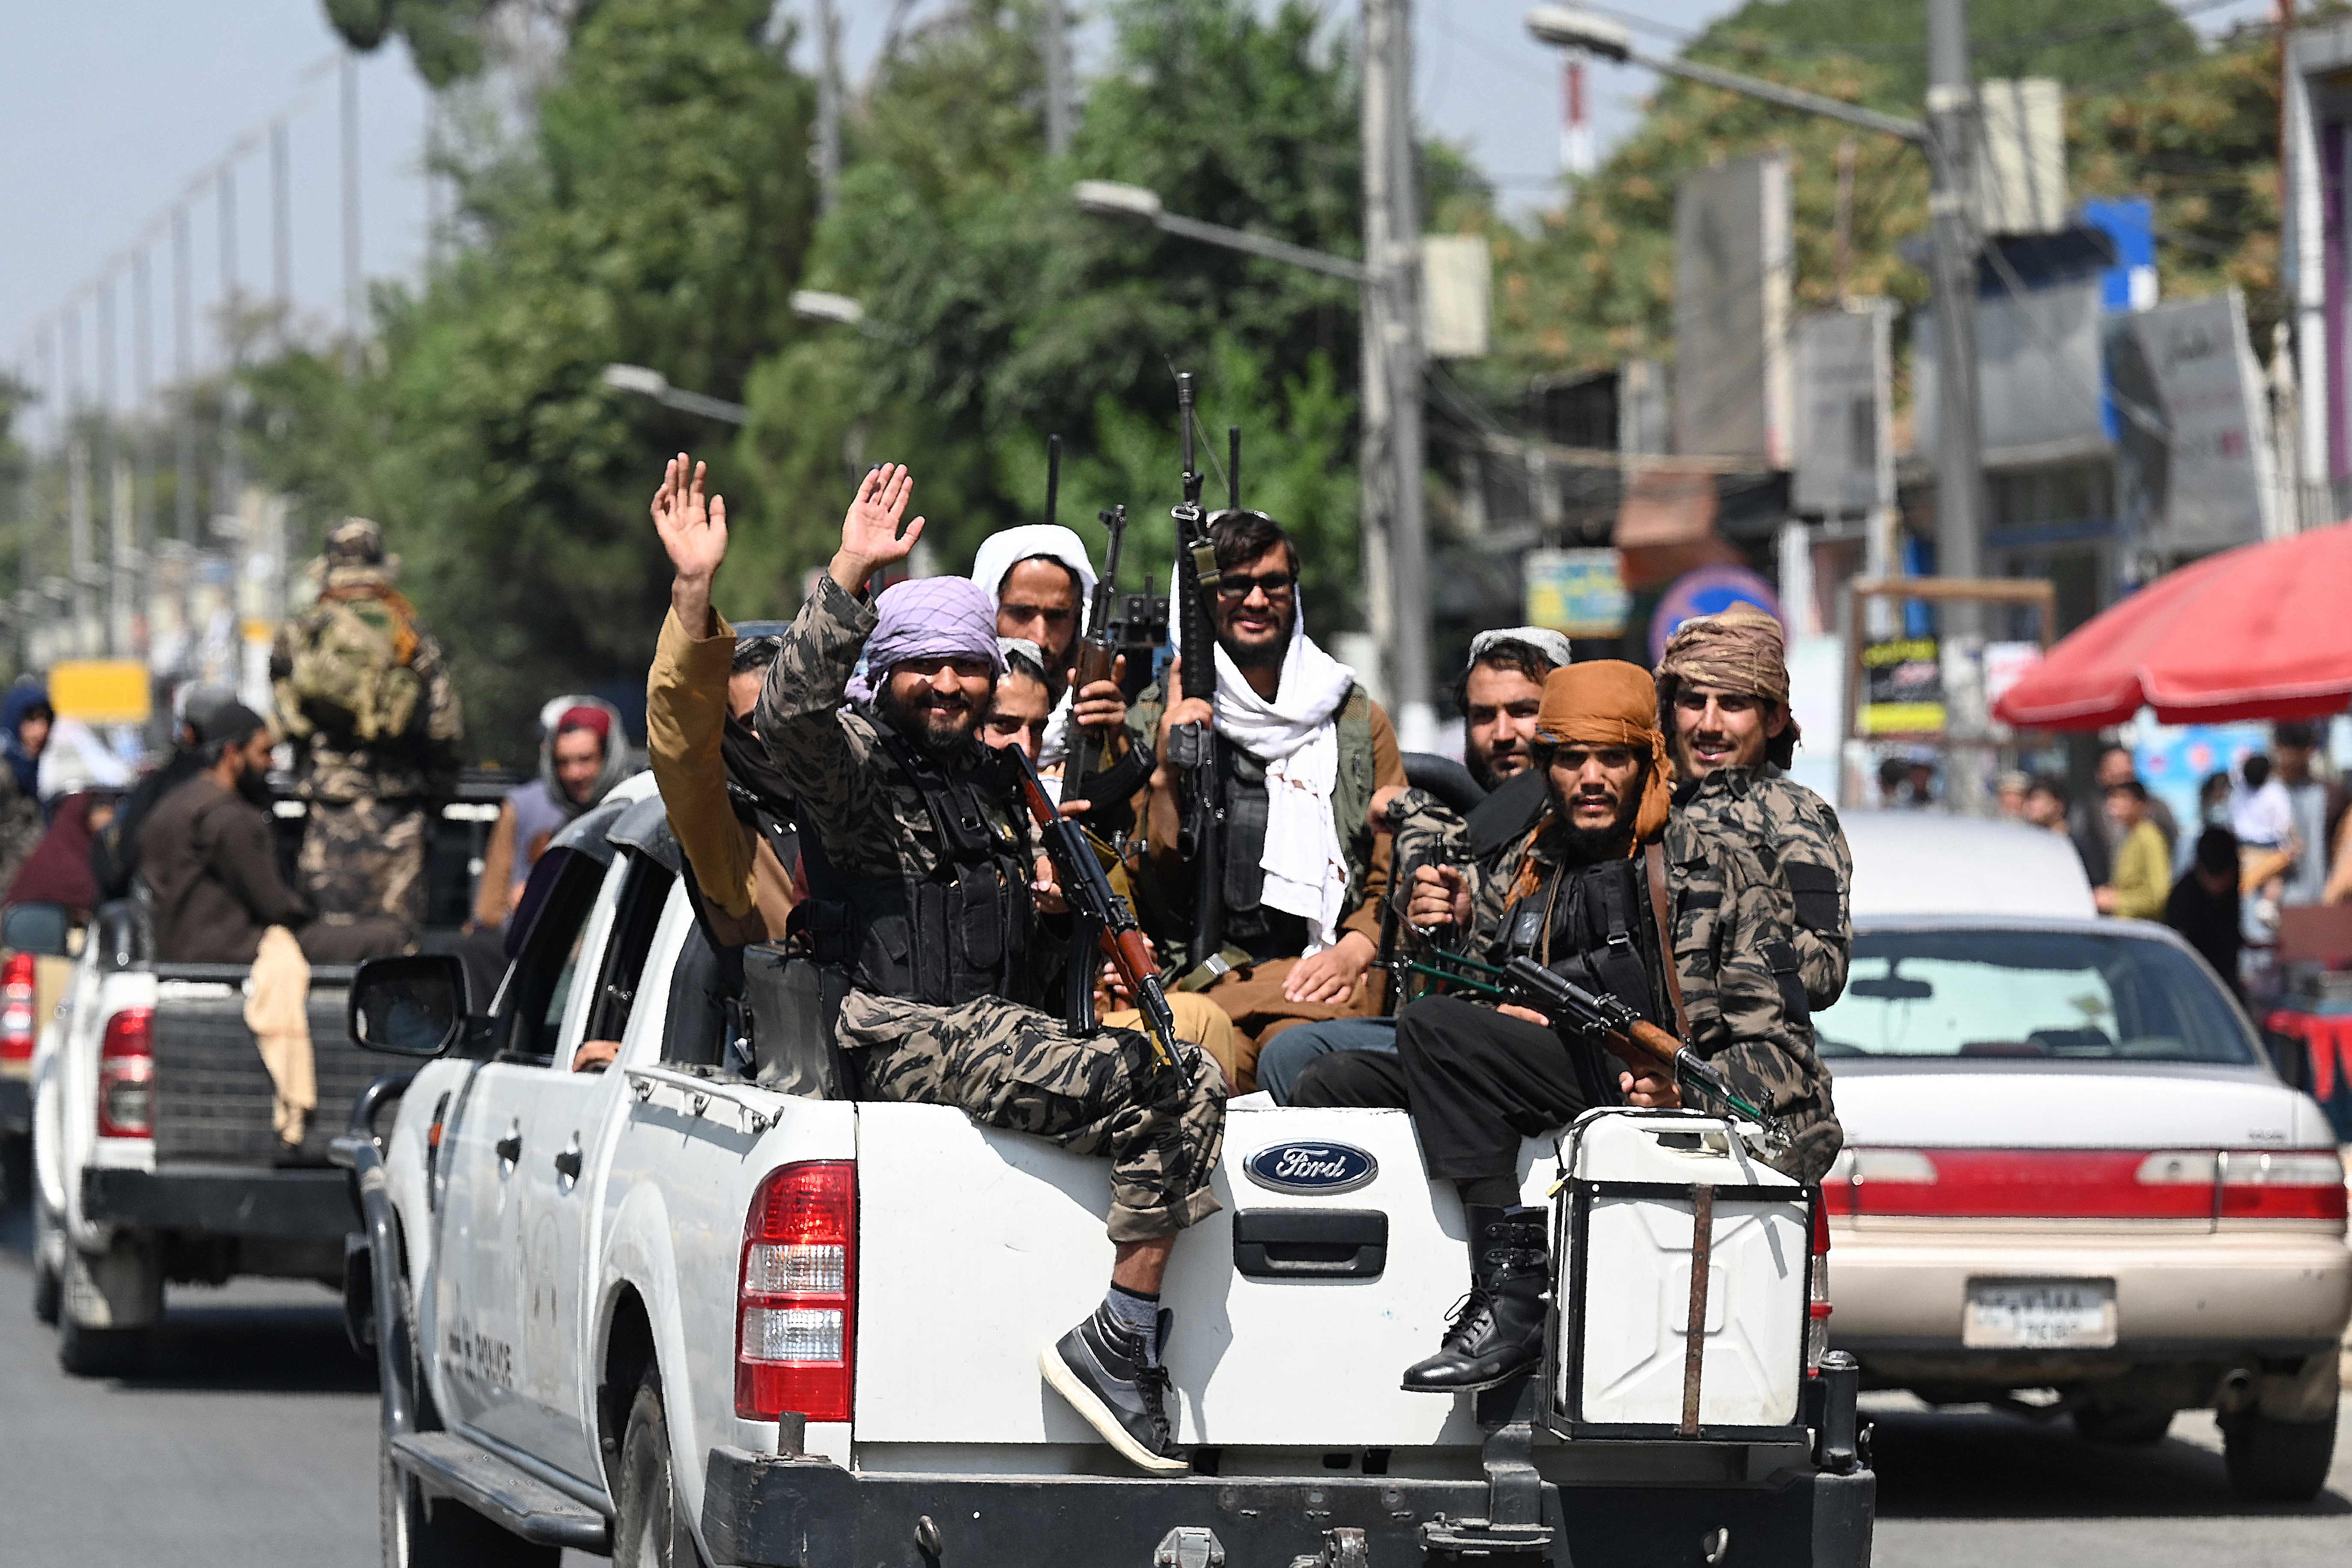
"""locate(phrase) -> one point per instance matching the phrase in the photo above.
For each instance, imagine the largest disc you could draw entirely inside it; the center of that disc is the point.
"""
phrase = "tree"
(998, 312)
(657, 214)
(2148, 112)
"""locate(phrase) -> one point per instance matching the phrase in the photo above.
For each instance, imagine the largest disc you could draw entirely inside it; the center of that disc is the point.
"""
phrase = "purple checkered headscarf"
(927, 617)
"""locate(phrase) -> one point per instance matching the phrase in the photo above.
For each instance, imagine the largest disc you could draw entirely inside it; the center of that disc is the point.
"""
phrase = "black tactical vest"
(1603, 934)
(958, 934)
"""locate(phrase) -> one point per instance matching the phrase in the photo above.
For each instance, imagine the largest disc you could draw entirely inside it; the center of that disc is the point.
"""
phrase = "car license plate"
(2040, 1314)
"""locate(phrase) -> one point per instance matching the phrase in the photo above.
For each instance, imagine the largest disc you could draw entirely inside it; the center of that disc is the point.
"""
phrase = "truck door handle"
(567, 1163)
(511, 1147)
(1316, 1244)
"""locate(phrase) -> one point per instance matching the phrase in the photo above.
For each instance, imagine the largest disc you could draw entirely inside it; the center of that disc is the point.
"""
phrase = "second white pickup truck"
(666, 1312)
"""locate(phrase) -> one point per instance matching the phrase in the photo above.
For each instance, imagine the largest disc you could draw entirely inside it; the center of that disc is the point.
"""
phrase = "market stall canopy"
(2261, 632)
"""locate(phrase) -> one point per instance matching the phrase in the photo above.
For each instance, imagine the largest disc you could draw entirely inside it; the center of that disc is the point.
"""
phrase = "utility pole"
(1392, 443)
(142, 389)
(232, 457)
(281, 227)
(354, 307)
(1057, 78)
(108, 463)
(83, 563)
(1952, 131)
(828, 103)
(1951, 208)
(184, 355)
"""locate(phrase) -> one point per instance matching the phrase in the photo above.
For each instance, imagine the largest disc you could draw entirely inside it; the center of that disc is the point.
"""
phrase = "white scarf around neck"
(1296, 734)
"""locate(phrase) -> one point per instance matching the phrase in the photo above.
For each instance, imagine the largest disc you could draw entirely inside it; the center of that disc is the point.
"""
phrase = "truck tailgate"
(977, 1249)
(213, 1096)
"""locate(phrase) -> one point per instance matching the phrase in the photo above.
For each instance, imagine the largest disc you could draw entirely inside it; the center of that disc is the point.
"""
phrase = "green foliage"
(2147, 113)
(657, 217)
(998, 312)
(2084, 43)
(444, 36)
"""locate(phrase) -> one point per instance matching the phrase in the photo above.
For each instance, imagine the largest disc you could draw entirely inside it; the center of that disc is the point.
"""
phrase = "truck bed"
(214, 1096)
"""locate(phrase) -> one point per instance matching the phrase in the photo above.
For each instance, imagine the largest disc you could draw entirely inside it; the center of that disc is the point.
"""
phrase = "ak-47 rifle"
(1098, 907)
(1609, 1019)
(1193, 748)
(1098, 653)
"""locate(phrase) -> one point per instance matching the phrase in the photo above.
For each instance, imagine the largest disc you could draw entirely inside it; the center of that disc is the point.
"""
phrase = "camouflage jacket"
(1734, 955)
(868, 817)
(337, 769)
(1796, 839)
(1742, 987)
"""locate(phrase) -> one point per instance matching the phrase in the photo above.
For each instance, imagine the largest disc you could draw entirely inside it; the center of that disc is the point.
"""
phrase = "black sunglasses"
(1272, 585)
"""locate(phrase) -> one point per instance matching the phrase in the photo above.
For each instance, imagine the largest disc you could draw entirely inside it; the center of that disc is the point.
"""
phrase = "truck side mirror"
(409, 1006)
(39, 929)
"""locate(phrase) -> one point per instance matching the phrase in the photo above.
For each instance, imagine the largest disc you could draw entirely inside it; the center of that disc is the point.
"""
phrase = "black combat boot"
(1105, 1373)
(1498, 1331)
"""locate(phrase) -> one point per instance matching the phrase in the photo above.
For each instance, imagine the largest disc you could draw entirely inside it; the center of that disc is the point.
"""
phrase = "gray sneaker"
(1106, 1375)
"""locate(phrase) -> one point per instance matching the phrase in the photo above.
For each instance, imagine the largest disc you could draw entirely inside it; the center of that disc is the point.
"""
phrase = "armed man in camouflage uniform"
(919, 866)
(363, 693)
(1723, 697)
(1499, 693)
(1602, 887)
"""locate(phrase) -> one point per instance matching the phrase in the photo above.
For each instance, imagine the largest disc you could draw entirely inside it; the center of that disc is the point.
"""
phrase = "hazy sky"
(115, 105)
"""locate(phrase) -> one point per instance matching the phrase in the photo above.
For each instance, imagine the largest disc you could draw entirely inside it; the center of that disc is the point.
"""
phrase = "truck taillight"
(16, 1026)
(1817, 1309)
(796, 1325)
(126, 1075)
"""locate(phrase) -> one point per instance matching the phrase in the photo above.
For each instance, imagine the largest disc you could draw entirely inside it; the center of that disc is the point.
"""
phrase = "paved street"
(250, 1443)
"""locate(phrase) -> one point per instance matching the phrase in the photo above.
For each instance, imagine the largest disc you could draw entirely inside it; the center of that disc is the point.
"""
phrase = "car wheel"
(648, 1532)
(98, 1353)
(2277, 1461)
(418, 1532)
(48, 1285)
(2121, 1428)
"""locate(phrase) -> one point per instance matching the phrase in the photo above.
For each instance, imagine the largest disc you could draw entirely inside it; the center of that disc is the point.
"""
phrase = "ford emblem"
(1312, 1169)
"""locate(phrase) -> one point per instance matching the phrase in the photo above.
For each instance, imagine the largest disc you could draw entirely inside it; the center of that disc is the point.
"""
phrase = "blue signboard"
(1708, 590)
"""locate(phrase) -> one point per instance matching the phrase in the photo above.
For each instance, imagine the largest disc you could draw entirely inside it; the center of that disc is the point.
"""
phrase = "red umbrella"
(2264, 631)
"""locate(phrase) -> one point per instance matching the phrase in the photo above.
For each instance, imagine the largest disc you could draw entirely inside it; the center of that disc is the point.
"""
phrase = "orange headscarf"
(1608, 702)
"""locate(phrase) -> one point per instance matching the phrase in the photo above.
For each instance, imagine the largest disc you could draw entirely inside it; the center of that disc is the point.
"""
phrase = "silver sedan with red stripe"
(2073, 1182)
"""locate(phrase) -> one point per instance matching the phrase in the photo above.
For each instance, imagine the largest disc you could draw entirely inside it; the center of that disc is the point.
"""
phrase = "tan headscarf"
(1742, 650)
(1606, 702)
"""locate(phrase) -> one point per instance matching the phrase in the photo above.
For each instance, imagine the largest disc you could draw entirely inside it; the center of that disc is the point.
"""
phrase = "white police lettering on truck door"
(571, 1119)
(483, 1292)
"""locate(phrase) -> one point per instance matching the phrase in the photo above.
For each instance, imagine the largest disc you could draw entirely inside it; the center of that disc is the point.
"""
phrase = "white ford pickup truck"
(676, 1313)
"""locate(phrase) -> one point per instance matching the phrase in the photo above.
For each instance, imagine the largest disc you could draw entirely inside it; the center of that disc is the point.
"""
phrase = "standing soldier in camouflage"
(364, 696)
(920, 868)
(1723, 697)
(1605, 887)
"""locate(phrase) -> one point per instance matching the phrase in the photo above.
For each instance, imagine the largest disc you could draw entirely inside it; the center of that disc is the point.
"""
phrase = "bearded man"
(1304, 750)
(1723, 697)
(1612, 891)
(919, 864)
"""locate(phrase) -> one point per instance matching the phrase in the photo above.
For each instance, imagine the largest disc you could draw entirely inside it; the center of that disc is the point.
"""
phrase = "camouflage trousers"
(1008, 1066)
(365, 856)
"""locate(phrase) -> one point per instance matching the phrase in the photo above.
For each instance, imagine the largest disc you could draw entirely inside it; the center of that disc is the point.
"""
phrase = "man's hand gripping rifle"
(1608, 1019)
(1097, 906)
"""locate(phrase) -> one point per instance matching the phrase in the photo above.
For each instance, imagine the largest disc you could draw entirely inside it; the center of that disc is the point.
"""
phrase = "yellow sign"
(102, 691)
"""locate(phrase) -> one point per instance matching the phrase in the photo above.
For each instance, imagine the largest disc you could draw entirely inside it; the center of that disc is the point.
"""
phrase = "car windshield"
(2049, 995)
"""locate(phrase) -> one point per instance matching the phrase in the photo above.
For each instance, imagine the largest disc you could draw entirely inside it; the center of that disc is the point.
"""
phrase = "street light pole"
(1392, 452)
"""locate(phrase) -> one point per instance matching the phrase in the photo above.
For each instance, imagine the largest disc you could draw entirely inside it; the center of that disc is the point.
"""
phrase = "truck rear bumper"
(292, 1205)
(16, 1105)
(800, 1514)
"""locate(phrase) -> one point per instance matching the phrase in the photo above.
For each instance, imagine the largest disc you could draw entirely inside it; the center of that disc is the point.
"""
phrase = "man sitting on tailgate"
(923, 886)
